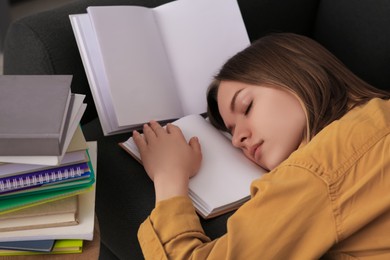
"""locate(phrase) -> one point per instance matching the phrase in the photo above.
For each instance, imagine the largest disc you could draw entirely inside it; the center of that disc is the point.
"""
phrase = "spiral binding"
(39, 179)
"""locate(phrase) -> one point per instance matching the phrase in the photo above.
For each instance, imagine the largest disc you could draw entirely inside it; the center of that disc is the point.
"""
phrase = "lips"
(254, 150)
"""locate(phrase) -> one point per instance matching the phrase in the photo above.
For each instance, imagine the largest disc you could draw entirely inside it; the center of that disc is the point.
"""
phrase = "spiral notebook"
(44, 177)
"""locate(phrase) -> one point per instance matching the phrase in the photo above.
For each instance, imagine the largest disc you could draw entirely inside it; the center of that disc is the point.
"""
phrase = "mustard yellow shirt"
(330, 199)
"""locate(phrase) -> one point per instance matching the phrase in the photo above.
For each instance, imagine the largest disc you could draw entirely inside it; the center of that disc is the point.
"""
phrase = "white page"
(224, 168)
(94, 67)
(84, 230)
(127, 34)
(199, 37)
(225, 174)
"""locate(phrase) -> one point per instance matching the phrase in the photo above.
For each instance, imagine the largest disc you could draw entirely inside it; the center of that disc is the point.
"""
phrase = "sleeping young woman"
(323, 134)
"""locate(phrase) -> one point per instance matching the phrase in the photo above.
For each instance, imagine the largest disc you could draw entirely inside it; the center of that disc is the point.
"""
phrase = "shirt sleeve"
(290, 216)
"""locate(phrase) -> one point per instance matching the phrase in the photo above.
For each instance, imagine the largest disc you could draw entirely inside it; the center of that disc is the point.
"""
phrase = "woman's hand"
(168, 159)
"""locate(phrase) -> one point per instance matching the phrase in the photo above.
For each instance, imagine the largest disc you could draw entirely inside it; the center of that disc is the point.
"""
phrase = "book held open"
(155, 63)
(223, 181)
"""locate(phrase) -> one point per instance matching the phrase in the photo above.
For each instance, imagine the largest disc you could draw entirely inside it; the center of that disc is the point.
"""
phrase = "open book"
(223, 181)
(155, 63)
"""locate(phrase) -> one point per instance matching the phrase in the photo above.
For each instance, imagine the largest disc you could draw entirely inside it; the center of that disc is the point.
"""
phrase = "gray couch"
(357, 31)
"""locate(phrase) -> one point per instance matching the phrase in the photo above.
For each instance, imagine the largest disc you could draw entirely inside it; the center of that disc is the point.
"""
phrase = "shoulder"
(344, 142)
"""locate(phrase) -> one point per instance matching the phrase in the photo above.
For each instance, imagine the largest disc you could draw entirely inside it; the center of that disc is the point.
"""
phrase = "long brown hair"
(325, 86)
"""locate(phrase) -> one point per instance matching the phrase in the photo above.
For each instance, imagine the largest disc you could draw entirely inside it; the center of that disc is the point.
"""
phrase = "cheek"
(289, 120)
(285, 134)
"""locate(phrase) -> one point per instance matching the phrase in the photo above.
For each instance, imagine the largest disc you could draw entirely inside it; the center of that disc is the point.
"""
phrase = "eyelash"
(248, 108)
(231, 129)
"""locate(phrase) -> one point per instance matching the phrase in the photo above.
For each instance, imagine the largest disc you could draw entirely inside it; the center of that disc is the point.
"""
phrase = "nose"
(239, 137)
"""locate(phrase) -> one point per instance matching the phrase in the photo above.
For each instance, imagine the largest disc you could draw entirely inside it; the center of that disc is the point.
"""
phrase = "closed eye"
(248, 109)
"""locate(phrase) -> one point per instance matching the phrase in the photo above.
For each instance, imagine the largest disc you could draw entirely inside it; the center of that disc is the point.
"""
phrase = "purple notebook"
(44, 177)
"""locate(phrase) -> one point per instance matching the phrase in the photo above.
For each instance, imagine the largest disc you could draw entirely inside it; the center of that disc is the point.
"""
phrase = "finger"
(175, 130)
(195, 145)
(157, 128)
(171, 129)
(139, 141)
(149, 134)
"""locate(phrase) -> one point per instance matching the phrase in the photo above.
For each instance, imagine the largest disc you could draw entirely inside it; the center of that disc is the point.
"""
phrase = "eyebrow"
(233, 102)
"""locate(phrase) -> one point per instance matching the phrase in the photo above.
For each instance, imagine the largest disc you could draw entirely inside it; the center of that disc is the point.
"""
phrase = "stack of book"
(47, 177)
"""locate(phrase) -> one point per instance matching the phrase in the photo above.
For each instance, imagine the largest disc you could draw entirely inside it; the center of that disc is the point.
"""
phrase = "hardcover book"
(72, 140)
(34, 114)
(32, 246)
(62, 246)
(155, 63)
(53, 214)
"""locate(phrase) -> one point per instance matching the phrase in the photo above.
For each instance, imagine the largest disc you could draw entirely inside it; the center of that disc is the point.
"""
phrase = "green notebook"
(17, 203)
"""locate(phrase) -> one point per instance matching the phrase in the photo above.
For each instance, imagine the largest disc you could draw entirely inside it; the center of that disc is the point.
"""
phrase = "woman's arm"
(290, 216)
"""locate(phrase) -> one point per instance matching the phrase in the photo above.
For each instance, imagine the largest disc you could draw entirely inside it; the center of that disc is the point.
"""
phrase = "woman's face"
(267, 123)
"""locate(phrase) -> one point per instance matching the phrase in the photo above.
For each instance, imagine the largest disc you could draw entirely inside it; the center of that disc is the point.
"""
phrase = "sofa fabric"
(356, 31)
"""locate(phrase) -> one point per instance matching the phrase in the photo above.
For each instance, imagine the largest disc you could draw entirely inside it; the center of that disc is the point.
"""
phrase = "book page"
(94, 68)
(140, 83)
(199, 36)
(225, 174)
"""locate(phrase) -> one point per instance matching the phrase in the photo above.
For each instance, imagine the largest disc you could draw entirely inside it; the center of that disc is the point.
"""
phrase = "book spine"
(39, 178)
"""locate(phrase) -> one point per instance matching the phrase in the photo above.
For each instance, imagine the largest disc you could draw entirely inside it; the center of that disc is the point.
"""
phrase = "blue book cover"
(34, 245)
